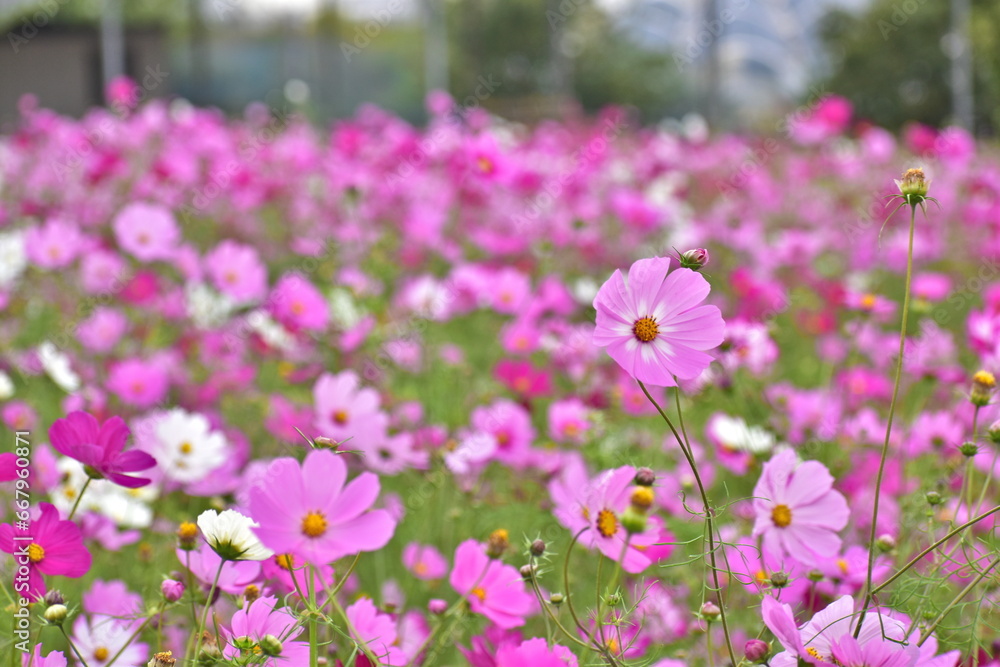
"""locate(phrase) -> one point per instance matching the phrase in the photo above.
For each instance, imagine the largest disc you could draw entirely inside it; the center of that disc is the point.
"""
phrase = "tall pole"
(961, 65)
(112, 41)
(435, 46)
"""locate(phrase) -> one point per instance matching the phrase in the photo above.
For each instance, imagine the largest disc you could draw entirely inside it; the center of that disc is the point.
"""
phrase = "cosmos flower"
(311, 512)
(251, 624)
(424, 561)
(535, 652)
(237, 271)
(186, 447)
(100, 447)
(100, 641)
(55, 549)
(147, 231)
(653, 326)
(377, 631)
(492, 589)
(798, 511)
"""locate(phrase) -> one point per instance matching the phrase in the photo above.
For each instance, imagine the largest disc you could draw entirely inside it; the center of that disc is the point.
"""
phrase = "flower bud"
(815, 575)
(497, 543)
(172, 590)
(913, 186)
(556, 599)
(645, 477)
(187, 536)
(437, 606)
(756, 650)
(968, 449)
(633, 521)
(983, 384)
(694, 259)
(710, 611)
(613, 600)
(269, 645)
(933, 498)
(250, 593)
(527, 572)
(537, 548)
(885, 543)
(56, 614)
(164, 659)
(779, 579)
(54, 597)
(994, 432)
(642, 498)
(323, 441)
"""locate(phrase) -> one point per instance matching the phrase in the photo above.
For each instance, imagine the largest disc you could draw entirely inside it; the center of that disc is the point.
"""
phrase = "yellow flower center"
(571, 429)
(421, 568)
(607, 523)
(101, 653)
(479, 593)
(340, 417)
(761, 577)
(187, 531)
(868, 301)
(842, 565)
(985, 379)
(503, 439)
(284, 561)
(298, 308)
(522, 385)
(314, 524)
(612, 645)
(35, 552)
(814, 653)
(485, 164)
(645, 329)
(186, 448)
(781, 515)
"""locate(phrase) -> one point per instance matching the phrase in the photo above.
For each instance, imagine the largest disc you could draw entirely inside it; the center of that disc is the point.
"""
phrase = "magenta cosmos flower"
(308, 511)
(653, 326)
(492, 589)
(798, 511)
(535, 652)
(100, 447)
(55, 548)
(378, 631)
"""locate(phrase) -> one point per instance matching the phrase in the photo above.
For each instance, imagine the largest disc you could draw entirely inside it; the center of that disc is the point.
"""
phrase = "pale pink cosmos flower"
(568, 421)
(377, 631)
(100, 641)
(139, 382)
(495, 590)
(54, 244)
(296, 303)
(237, 271)
(146, 231)
(510, 425)
(536, 653)
(424, 561)
(798, 510)
(204, 563)
(653, 325)
(258, 620)
(35, 659)
(310, 511)
(344, 409)
(102, 330)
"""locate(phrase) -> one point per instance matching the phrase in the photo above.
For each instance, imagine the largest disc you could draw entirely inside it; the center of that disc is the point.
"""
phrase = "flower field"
(587, 393)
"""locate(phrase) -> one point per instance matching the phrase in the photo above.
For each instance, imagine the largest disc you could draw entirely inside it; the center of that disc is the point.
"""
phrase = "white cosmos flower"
(6, 386)
(734, 433)
(57, 366)
(13, 258)
(127, 508)
(187, 448)
(230, 536)
(206, 307)
(343, 310)
(271, 331)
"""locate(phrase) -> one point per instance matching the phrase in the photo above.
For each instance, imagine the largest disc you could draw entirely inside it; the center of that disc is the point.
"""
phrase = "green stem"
(73, 647)
(710, 524)
(888, 427)
(79, 498)
(313, 629)
(135, 634)
(208, 605)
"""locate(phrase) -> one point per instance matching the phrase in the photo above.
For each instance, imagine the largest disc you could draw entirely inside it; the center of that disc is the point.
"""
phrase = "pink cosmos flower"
(510, 425)
(798, 511)
(343, 409)
(536, 653)
(101, 447)
(237, 271)
(568, 421)
(653, 326)
(138, 382)
(102, 330)
(307, 511)
(54, 244)
(377, 631)
(100, 640)
(101, 271)
(296, 303)
(424, 561)
(55, 549)
(8, 467)
(147, 231)
(492, 589)
(259, 620)
(607, 498)
(35, 659)
(522, 378)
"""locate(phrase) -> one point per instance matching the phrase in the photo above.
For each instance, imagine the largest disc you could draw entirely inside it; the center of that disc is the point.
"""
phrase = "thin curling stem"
(710, 523)
(888, 427)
